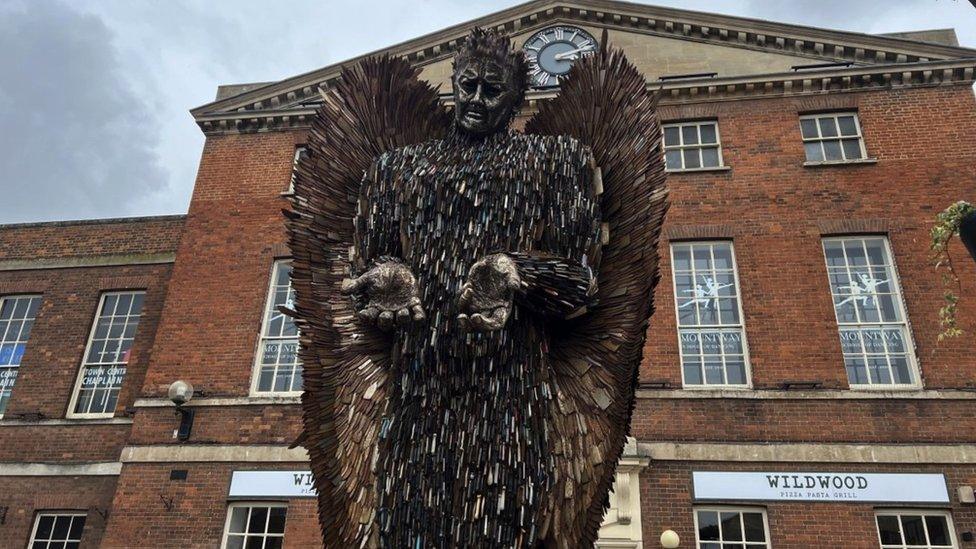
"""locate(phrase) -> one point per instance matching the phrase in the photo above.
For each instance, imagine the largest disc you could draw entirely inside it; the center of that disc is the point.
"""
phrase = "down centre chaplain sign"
(819, 486)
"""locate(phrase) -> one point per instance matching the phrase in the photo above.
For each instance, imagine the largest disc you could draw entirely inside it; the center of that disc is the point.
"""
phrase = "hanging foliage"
(947, 226)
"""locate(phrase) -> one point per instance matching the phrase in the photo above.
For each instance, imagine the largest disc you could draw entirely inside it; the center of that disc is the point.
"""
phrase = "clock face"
(552, 51)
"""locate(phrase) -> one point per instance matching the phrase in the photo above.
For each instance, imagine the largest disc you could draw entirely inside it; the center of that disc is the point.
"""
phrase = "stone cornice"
(683, 91)
(816, 43)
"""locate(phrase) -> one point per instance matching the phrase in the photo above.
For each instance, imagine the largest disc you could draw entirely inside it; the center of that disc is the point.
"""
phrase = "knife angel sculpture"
(473, 300)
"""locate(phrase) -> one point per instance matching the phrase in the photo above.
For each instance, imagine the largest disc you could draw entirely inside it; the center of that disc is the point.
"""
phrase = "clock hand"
(571, 53)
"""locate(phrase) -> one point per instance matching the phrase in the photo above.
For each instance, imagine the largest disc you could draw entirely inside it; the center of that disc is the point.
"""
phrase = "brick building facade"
(805, 176)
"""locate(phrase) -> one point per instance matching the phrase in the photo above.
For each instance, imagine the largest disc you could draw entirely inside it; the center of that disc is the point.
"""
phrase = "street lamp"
(670, 539)
(180, 392)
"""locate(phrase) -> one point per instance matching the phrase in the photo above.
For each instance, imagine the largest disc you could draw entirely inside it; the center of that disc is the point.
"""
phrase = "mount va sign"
(819, 486)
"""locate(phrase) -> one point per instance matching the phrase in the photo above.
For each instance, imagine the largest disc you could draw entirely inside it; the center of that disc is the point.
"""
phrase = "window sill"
(286, 193)
(264, 400)
(716, 388)
(68, 421)
(886, 388)
(701, 170)
(862, 161)
(855, 393)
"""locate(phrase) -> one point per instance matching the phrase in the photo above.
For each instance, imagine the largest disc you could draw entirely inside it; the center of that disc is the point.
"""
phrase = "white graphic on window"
(706, 295)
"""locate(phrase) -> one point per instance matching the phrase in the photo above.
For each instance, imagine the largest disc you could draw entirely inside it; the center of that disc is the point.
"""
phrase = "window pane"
(691, 159)
(671, 137)
(889, 530)
(808, 127)
(45, 524)
(256, 523)
(672, 160)
(755, 527)
(710, 157)
(828, 128)
(689, 135)
(276, 523)
(913, 529)
(708, 134)
(691, 368)
(731, 526)
(61, 526)
(847, 125)
(832, 150)
(682, 258)
(735, 370)
(77, 526)
(852, 149)
(814, 151)
(938, 530)
(708, 526)
(238, 520)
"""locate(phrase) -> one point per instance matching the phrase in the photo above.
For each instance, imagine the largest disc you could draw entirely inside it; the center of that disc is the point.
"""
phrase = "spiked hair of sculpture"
(490, 45)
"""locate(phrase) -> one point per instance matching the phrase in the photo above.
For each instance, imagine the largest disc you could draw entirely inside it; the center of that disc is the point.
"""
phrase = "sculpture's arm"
(555, 286)
(384, 288)
(558, 280)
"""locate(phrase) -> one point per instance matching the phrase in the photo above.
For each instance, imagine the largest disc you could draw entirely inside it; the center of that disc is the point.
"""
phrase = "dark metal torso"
(464, 456)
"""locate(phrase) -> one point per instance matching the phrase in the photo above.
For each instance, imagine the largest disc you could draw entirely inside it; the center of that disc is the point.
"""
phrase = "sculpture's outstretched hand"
(486, 297)
(393, 298)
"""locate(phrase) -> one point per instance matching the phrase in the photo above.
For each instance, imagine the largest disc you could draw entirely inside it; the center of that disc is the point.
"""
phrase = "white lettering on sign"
(286, 484)
(813, 486)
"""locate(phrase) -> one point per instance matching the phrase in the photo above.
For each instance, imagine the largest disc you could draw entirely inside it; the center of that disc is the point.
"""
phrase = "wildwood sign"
(819, 486)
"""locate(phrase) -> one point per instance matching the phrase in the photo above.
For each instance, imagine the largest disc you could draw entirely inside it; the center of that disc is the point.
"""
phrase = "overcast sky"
(94, 94)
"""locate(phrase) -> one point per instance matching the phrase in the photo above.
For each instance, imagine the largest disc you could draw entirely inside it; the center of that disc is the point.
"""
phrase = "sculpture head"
(489, 83)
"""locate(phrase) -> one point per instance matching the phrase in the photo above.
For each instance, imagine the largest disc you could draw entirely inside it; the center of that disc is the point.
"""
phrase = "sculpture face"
(485, 97)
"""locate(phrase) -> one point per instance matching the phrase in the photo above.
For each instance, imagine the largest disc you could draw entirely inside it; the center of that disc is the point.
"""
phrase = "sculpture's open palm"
(392, 295)
(486, 297)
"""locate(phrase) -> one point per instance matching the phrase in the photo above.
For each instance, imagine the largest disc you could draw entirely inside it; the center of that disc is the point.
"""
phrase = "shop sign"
(277, 484)
(816, 486)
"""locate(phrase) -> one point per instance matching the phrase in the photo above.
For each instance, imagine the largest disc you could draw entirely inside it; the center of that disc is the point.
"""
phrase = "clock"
(551, 52)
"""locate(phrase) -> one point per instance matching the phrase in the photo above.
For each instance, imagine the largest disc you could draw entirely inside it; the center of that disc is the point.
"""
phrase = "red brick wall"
(57, 342)
(270, 424)
(25, 496)
(233, 232)
(773, 207)
(145, 235)
(666, 503)
(888, 420)
(197, 506)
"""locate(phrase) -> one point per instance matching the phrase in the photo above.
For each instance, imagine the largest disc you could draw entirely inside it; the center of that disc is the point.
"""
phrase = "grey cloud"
(76, 141)
(94, 93)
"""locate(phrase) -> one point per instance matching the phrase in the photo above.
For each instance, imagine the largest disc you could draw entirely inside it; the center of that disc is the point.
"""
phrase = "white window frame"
(733, 509)
(268, 504)
(923, 512)
(699, 146)
(299, 149)
(820, 138)
(910, 353)
(37, 523)
(259, 350)
(742, 321)
(84, 358)
(3, 336)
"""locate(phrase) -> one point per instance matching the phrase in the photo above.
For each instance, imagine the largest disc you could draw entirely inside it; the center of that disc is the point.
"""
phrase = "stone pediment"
(662, 42)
